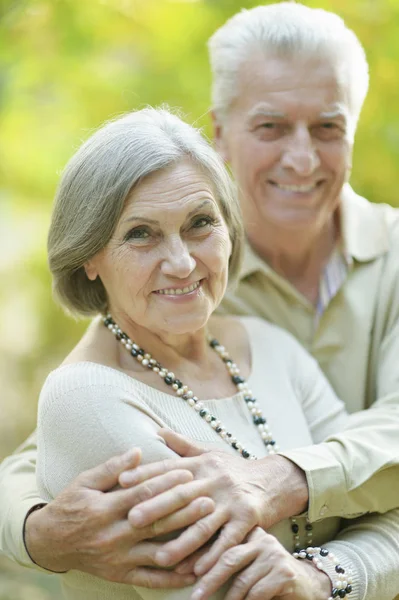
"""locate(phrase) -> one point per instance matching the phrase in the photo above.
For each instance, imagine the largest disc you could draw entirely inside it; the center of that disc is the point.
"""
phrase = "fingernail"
(162, 558)
(125, 478)
(197, 594)
(136, 517)
(199, 569)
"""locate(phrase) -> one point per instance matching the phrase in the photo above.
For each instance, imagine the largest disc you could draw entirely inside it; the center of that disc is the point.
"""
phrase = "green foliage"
(68, 65)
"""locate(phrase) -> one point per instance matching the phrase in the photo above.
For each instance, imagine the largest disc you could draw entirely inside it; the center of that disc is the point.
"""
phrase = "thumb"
(180, 444)
(105, 476)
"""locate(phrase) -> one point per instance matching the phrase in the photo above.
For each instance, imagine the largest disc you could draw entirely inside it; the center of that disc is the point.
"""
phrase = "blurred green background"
(66, 66)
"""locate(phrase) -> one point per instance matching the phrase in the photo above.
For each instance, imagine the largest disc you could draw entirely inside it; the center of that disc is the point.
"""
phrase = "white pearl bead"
(145, 362)
(171, 375)
(156, 369)
(175, 386)
(128, 347)
(123, 341)
(190, 394)
(191, 402)
(180, 391)
(139, 357)
(147, 356)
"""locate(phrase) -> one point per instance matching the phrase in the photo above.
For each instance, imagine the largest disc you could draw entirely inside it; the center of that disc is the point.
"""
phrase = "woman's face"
(166, 265)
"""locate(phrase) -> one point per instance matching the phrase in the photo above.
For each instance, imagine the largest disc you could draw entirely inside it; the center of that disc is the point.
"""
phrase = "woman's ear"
(91, 270)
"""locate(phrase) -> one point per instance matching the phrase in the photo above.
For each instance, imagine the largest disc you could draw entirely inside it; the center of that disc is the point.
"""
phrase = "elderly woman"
(145, 234)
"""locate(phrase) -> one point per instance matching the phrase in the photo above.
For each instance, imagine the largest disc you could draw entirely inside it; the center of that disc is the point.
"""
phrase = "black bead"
(339, 569)
(185, 397)
(213, 343)
(294, 528)
(309, 527)
(140, 351)
(107, 321)
(203, 412)
(245, 454)
(342, 593)
(133, 352)
(213, 418)
(334, 592)
(218, 429)
(324, 552)
(237, 379)
(228, 361)
(249, 399)
(168, 380)
(234, 445)
(348, 588)
(178, 383)
(259, 420)
(118, 336)
(228, 434)
(309, 556)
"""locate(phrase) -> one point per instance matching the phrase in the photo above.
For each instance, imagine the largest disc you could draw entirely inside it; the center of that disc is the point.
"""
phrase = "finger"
(105, 476)
(155, 578)
(231, 535)
(197, 509)
(144, 472)
(191, 539)
(255, 579)
(167, 503)
(232, 561)
(181, 444)
(187, 565)
(126, 499)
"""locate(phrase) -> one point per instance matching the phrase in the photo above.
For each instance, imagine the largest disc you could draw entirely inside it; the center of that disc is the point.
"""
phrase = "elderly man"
(323, 263)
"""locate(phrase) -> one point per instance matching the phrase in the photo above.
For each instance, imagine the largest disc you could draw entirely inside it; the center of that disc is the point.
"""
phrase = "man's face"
(288, 140)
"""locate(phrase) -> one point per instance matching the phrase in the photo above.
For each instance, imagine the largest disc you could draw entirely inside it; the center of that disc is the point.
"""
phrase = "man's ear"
(219, 137)
(91, 270)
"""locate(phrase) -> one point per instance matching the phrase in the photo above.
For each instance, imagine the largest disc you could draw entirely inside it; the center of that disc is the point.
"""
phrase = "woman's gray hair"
(99, 178)
(286, 30)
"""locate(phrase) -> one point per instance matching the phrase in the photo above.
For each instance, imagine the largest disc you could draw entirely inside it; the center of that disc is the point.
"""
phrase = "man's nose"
(177, 261)
(300, 155)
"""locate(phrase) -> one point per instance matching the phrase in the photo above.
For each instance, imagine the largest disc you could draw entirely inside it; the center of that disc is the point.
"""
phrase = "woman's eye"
(202, 222)
(138, 233)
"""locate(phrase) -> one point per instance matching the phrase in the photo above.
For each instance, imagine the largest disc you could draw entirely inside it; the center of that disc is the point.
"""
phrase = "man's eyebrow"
(155, 222)
(333, 114)
(263, 111)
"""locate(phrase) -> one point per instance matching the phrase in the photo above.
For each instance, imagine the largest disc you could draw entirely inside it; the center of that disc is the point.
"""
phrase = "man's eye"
(268, 125)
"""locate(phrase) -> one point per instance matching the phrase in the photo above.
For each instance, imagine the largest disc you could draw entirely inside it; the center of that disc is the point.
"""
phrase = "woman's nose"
(177, 261)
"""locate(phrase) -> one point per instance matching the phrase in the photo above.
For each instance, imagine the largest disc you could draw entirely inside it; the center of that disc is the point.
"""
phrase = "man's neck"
(300, 256)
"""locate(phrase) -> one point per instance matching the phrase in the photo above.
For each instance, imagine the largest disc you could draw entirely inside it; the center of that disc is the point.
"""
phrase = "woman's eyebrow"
(155, 222)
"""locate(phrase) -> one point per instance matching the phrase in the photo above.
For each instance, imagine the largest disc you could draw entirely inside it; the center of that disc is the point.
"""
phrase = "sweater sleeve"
(87, 414)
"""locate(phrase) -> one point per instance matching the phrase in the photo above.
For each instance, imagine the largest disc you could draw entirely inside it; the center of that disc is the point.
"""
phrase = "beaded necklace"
(187, 395)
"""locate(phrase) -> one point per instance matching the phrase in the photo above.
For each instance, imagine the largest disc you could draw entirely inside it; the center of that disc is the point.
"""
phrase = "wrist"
(286, 488)
(40, 550)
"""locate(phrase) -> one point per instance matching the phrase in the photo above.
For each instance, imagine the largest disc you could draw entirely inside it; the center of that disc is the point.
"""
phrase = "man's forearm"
(285, 487)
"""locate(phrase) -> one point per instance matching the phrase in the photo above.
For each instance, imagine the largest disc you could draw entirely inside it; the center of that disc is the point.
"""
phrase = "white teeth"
(179, 291)
(296, 188)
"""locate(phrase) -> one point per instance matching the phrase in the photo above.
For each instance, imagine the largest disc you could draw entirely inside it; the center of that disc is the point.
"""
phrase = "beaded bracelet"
(320, 557)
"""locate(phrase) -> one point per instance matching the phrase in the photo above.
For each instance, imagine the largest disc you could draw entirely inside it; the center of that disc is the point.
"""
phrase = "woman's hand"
(265, 571)
(246, 494)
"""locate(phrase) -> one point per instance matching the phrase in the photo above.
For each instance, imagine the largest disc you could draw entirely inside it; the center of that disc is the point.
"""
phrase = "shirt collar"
(363, 228)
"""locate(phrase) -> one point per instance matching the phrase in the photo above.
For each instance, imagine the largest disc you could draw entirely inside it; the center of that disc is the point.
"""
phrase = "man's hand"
(86, 526)
(246, 494)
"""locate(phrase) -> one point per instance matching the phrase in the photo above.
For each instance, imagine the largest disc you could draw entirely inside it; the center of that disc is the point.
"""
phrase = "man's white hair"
(287, 30)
